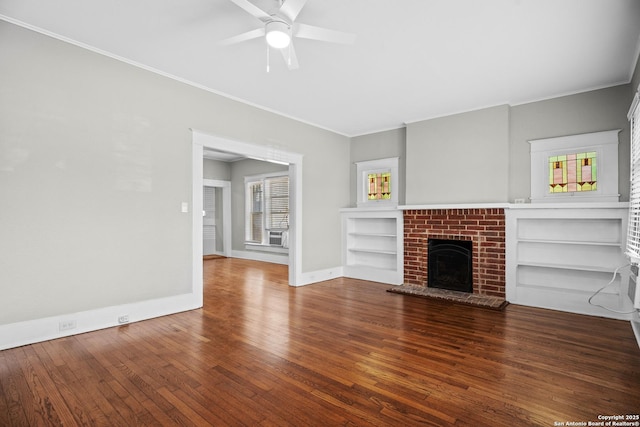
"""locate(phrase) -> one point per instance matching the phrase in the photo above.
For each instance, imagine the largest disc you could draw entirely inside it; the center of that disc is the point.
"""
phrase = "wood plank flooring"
(339, 353)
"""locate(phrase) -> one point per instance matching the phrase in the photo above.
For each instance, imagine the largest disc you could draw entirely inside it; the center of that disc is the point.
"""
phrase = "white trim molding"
(202, 140)
(264, 256)
(367, 167)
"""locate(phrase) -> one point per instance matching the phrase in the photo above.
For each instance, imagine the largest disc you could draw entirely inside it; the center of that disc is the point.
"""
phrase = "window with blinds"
(633, 230)
(277, 194)
(267, 209)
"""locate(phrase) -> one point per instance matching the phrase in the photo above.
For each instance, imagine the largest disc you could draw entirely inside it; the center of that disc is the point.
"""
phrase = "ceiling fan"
(279, 28)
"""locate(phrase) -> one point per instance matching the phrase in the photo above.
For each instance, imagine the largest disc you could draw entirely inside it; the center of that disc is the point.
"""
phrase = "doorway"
(216, 217)
(202, 141)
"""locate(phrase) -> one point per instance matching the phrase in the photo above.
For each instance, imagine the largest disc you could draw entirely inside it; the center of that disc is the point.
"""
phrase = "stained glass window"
(573, 172)
(379, 186)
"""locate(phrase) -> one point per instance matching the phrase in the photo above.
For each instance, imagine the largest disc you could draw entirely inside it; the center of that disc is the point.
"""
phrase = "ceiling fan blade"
(290, 57)
(291, 8)
(305, 31)
(249, 35)
(252, 9)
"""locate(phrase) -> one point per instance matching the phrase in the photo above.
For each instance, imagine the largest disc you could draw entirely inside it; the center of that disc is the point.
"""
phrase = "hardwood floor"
(341, 352)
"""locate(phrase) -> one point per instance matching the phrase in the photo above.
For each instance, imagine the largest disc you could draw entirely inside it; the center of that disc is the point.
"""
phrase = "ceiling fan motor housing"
(278, 34)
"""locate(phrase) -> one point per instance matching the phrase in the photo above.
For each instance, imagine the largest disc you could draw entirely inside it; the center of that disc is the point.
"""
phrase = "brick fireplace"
(483, 227)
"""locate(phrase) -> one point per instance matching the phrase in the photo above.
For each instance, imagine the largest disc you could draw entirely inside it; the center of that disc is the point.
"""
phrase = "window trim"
(633, 228)
(604, 143)
(364, 168)
(264, 243)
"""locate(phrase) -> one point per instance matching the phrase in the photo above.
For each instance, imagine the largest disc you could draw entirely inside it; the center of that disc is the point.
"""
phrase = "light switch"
(185, 207)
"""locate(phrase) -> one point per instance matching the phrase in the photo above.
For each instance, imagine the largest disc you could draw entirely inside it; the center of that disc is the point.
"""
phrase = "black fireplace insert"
(449, 265)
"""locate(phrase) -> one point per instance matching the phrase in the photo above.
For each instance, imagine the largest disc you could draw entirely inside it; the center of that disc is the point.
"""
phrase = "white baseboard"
(305, 278)
(320, 276)
(48, 328)
(261, 256)
(391, 277)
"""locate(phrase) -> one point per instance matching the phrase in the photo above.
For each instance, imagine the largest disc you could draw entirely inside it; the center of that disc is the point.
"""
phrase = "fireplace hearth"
(450, 265)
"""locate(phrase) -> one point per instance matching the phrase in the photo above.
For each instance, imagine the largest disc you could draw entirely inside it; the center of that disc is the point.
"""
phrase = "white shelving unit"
(558, 256)
(372, 246)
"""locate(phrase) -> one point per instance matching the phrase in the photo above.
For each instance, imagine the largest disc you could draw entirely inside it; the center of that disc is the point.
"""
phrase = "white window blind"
(633, 232)
(277, 202)
(254, 231)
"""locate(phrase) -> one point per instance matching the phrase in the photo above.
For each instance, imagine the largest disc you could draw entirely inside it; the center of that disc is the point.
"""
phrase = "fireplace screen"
(450, 265)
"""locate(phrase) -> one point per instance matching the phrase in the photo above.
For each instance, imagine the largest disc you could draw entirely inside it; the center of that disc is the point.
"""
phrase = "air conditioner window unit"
(275, 238)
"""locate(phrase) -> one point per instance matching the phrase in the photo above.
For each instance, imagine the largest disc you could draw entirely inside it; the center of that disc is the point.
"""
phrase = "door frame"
(269, 153)
(226, 212)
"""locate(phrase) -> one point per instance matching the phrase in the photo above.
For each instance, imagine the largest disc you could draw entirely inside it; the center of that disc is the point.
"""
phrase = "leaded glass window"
(573, 172)
(377, 182)
(379, 186)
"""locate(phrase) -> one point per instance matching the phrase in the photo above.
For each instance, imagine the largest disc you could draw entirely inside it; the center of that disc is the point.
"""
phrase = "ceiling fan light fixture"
(277, 34)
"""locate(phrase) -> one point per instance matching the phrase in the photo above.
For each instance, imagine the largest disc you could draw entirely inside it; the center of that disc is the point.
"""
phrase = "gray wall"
(635, 81)
(380, 145)
(215, 169)
(444, 155)
(95, 161)
(593, 111)
(461, 158)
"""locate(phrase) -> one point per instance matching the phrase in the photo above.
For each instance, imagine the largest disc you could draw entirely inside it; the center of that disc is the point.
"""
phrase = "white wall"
(95, 162)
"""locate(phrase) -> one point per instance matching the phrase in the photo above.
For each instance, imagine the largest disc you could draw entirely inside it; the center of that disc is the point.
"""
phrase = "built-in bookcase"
(558, 257)
(373, 245)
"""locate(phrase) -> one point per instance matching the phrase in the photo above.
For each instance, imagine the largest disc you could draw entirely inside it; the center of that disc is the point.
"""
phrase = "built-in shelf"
(583, 293)
(571, 242)
(372, 250)
(568, 267)
(373, 234)
(373, 245)
(558, 258)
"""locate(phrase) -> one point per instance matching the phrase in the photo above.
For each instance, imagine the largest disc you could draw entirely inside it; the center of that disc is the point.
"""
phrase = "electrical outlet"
(65, 325)
(123, 319)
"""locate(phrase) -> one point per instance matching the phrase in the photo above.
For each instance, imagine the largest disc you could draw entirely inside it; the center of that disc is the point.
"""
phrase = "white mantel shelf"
(588, 205)
(456, 206)
(370, 209)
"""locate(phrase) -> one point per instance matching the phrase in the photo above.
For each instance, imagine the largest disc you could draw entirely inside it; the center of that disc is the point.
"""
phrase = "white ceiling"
(412, 59)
